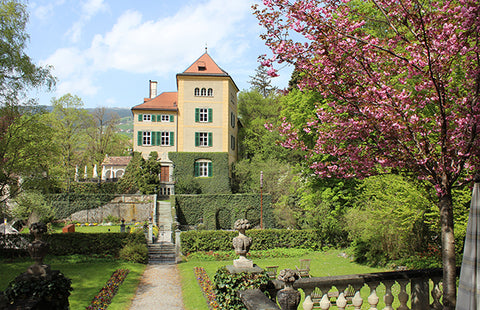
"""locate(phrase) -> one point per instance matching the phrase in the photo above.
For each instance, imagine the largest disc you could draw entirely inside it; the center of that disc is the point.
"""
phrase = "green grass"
(327, 263)
(88, 277)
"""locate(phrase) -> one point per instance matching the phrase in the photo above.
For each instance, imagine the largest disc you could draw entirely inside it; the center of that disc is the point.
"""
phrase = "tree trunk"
(448, 252)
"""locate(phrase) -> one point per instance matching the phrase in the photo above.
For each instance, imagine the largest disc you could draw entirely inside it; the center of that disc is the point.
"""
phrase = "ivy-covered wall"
(184, 173)
(221, 211)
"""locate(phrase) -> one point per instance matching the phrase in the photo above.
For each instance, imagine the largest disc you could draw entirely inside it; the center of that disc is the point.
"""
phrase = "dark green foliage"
(135, 252)
(75, 243)
(194, 241)
(68, 203)
(227, 285)
(94, 188)
(51, 291)
(218, 183)
(128, 183)
(221, 211)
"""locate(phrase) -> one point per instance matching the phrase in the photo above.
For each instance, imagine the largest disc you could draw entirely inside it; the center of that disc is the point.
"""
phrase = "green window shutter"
(197, 169)
(210, 115)
(210, 139)
(154, 135)
(171, 118)
(154, 118)
(209, 169)
(159, 138)
(139, 138)
(140, 117)
(159, 118)
(197, 139)
(172, 137)
(197, 115)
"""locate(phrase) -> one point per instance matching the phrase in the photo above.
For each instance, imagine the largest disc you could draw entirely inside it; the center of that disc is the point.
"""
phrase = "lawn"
(88, 277)
(329, 263)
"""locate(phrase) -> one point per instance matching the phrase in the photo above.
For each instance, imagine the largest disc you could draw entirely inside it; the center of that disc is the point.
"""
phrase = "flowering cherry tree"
(401, 83)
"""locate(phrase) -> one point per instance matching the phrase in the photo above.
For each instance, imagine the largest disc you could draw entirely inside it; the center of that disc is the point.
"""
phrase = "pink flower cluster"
(400, 81)
(106, 294)
(207, 287)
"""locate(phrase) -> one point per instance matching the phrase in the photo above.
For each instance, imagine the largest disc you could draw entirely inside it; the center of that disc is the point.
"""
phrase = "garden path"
(159, 288)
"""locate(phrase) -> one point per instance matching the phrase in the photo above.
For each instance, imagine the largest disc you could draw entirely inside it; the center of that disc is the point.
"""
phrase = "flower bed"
(207, 287)
(106, 294)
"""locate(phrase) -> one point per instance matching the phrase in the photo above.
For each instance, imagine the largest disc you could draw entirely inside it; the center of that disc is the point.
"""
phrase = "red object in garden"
(69, 228)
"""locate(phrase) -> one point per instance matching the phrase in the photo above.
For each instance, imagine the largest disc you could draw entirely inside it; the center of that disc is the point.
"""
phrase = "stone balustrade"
(415, 290)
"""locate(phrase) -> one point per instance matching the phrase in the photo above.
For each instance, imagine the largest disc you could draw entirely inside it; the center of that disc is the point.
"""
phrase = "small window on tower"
(201, 66)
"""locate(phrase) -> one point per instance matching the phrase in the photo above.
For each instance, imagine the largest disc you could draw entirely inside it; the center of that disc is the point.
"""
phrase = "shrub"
(134, 252)
(227, 285)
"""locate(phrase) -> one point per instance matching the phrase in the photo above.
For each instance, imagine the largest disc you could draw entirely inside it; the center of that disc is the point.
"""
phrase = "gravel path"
(159, 289)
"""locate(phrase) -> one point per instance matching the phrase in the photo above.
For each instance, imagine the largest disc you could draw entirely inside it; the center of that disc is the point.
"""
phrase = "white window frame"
(165, 138)
(210, 92)
(203, 92)
(203, 169)
(203, 139)
(165, 118)
(203, 115)
(147, 117)
(147, 138)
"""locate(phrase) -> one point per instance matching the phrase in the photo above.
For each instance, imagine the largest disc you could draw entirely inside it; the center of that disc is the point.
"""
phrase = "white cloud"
(44, 12)
(161, 47)
(89, 9)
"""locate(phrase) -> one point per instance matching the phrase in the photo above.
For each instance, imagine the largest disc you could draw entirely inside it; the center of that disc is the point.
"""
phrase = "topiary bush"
(227, 285)
(135, 252)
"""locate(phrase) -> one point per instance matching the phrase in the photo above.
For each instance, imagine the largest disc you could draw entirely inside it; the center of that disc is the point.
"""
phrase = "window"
(147, 138)
(203, 139)
(156, 138)
(203, 115)
(203, 92)
(165, 117)
(232, 142)
(210, 92)
(197, 91)
(147, 117)
(232, 119)
(203, 168)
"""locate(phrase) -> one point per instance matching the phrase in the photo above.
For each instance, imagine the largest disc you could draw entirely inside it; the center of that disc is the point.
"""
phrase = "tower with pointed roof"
(200, 118)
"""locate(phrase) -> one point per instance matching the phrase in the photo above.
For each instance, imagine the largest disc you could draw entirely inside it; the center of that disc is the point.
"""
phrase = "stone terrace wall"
(129, 207)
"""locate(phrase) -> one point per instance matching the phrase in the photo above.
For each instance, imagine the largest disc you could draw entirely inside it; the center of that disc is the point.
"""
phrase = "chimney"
(153, 89)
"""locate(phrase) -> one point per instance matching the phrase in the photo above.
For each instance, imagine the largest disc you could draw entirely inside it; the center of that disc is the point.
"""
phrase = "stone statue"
(242, 244)
(38, 249)
(288, 297)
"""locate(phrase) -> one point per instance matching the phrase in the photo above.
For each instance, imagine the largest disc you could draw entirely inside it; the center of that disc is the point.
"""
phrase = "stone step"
(161, 253)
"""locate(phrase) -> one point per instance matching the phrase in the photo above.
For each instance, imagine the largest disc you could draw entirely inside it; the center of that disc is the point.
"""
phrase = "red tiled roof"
(166, 101)
(116, 160)
(205, 65)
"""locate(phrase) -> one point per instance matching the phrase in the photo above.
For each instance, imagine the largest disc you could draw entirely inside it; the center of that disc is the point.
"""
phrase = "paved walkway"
(159, 289)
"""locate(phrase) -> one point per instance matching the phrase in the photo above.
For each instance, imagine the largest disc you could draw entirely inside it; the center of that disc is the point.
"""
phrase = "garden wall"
(129, 207)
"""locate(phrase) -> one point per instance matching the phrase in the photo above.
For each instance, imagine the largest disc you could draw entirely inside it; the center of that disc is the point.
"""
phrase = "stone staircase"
(163, 250)
(161, 253)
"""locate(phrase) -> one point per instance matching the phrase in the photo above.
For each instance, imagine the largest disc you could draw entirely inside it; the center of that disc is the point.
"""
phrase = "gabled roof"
(166, 101)
(204, 65)
(116, 160)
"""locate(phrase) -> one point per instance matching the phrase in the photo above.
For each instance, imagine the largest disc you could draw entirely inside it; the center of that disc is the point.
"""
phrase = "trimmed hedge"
(219, 183)
(72, 243)
(221, 211)
(66, 204)
(209, 240)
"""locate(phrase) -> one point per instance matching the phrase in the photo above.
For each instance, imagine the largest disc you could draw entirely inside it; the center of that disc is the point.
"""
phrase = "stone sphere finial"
(241, 224)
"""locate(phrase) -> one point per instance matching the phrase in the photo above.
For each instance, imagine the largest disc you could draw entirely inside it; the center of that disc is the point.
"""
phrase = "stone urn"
(38, 249)
(288, 298)
(242, 244)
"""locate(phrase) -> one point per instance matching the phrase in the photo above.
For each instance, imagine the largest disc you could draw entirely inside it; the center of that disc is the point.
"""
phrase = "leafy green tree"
(128, 183)
(33, 206)
(262, 82)
(70, 123)
(148, 176)
(388, 219)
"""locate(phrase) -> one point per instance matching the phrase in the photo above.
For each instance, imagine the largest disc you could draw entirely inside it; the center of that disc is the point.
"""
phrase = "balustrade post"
(403, 296)
(436, 294)
(373, 298)
(341, 300)
(357, 300)
(388, 298)
(420, 294)
(308, 303)
(325, 303)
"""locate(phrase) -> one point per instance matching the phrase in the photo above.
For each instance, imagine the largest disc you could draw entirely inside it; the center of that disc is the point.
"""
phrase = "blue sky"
(106, 51)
